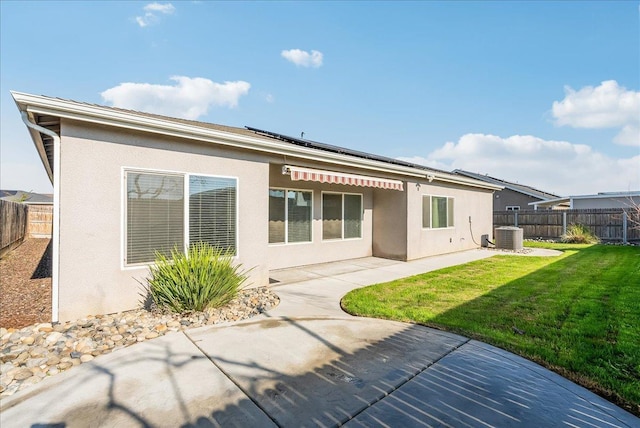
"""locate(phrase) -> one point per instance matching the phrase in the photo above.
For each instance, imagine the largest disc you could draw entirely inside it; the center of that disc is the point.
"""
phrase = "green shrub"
(205, 277)
(579, 234)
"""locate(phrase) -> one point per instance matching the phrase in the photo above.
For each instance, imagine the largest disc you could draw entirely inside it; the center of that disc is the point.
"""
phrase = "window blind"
(352, 216)
(298, 216)
(212, 211)
(155, 215)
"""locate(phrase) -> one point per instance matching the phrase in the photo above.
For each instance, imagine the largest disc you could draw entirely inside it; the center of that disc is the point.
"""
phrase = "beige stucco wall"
(92, 278)
(476, 203)
(390, 224)
(319, 251)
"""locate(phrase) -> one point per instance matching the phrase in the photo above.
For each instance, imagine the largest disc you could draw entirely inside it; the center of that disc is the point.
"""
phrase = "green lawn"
(578, 313)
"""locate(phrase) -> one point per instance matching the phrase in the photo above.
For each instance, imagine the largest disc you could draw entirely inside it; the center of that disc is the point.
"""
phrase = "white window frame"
(513, 208)
(342, 238)
(431, 196)
(186, 176)
(286, 217)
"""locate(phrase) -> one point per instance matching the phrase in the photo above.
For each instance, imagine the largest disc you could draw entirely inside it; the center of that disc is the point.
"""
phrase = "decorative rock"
(35, 362)
(28, 340)
(53, 360)
(38, 351)
(32, 353)
(65, 365)
(22, 374)
(53, 337)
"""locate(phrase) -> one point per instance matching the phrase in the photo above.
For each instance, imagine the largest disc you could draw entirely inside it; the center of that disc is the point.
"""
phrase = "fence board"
(40, 221)
(605, 223)
(13, 224)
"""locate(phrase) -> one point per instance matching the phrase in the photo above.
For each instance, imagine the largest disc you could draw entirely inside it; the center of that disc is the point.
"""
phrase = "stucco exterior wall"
(506, 198)
(390, 224)
(474, 203)
(92, 277)
(319, 250)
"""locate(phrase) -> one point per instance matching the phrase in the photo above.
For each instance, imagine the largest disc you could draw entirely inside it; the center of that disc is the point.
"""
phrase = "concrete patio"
(307, 363)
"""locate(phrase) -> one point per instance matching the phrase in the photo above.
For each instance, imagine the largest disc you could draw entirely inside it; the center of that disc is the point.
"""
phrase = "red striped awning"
(321, 176)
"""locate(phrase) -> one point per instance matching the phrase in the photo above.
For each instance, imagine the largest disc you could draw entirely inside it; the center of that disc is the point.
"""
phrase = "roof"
(47, 112)
(516, 187)
(568, 199)
(28, 198)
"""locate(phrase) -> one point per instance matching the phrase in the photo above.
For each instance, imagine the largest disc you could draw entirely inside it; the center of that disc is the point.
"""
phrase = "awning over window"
(321, 176)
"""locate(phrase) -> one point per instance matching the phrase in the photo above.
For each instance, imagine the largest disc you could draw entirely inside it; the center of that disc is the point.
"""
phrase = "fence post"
(564, 222)
(516, 218)
(624, 227)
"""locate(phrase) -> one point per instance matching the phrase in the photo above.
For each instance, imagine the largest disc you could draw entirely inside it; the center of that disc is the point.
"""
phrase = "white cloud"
(606, 106)
(166, 8)
(152, 12)
(554, 166)
(189, 98)
(303, 58)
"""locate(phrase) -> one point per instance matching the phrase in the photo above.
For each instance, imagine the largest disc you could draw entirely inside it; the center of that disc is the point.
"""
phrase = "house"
(605, 200)
(513, 196)
(28, 198)
(127, 184)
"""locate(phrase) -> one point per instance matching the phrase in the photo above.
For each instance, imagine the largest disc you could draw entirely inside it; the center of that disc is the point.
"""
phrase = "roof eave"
(35, 136)
(138, 122)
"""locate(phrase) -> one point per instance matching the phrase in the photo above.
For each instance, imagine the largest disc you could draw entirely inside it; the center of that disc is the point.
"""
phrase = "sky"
(540, 93)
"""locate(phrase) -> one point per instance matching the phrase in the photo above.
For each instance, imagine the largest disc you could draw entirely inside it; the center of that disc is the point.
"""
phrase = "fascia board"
(550, 202)
(35, 136)
(469, 182)
(42, 153)
(607, 196)
(130, 120)
(219, 137)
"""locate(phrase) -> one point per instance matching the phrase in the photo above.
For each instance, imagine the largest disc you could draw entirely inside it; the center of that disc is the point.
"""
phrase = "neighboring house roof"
(568, 200)
(28, 198)
(47, 112)
(516, 187)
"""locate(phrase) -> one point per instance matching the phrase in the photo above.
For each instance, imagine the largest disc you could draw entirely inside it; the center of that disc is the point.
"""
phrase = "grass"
(577, 314)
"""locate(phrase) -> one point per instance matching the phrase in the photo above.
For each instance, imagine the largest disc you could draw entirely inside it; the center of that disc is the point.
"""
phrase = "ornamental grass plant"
(203, 278)
(579, 234)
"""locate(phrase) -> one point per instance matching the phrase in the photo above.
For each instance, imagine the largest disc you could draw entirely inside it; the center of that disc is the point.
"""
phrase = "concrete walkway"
(307, 363)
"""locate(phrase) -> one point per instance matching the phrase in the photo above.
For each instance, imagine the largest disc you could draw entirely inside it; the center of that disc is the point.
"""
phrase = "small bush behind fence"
(13, 224)
(610, 224)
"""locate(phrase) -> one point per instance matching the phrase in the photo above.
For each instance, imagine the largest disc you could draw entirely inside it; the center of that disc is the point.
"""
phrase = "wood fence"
(13, 225)
(614, 224)
(40, 221)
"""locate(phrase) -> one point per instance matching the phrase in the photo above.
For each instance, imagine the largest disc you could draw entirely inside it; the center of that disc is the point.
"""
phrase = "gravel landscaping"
(32, 353)
(25, 284)
(32, 348)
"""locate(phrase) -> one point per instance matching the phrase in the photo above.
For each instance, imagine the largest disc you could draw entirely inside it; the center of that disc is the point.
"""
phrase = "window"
(156, 208)
(513, 207)
(290, 217)
(341, 216)
(437, 212)
(212, 211)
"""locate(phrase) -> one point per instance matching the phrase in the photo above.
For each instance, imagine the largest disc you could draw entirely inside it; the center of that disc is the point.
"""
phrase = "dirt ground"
(25, 284)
